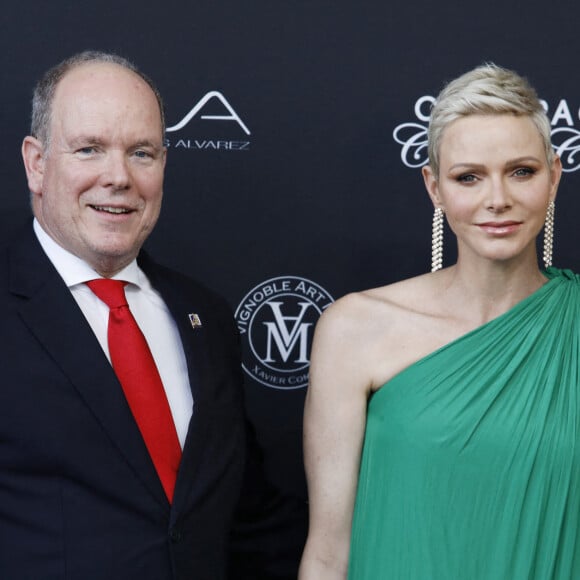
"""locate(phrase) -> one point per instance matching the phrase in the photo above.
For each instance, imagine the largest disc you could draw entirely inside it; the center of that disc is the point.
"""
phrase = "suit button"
(175, 535)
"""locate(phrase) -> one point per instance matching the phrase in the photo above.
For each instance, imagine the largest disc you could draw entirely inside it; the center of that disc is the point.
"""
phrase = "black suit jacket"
(79, 496)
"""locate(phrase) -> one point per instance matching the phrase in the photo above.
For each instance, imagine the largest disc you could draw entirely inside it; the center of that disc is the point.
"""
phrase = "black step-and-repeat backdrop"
(296, 131)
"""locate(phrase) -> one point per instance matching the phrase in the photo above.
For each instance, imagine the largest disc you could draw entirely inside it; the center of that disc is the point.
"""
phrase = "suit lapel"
(52, 315)
(194, 340)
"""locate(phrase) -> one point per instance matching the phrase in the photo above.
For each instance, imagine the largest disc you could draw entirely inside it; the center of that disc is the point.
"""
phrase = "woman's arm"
(334, 423)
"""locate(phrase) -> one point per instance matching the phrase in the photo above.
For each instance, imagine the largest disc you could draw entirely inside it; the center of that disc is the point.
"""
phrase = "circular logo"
(276, 321)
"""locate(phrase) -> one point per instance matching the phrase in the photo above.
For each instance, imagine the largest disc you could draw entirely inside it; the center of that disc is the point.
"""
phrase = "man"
(87, 490)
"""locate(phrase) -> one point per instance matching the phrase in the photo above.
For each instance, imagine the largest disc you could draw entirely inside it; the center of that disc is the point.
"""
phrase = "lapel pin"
(195, 320)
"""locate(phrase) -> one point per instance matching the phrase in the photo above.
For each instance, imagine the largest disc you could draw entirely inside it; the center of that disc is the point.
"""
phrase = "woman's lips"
(500, 228)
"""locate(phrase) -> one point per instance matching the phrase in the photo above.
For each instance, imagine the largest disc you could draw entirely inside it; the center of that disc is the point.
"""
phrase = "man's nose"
(116, 172)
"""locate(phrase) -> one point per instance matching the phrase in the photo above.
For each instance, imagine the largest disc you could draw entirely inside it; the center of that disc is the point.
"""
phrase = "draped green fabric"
(471, 460)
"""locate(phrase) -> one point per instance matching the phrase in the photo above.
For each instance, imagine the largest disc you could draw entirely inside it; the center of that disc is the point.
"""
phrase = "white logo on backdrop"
(412, 136)
(276, 320)
(229, 115)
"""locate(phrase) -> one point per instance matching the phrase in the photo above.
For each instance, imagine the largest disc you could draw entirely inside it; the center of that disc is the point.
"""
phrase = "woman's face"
(494, 185)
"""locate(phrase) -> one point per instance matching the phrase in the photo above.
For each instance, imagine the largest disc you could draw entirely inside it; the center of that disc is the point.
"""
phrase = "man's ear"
(33, 157)
(432, 185)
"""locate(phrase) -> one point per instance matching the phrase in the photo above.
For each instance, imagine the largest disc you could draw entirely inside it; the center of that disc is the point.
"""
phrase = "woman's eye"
(524, 171)
(467, 178)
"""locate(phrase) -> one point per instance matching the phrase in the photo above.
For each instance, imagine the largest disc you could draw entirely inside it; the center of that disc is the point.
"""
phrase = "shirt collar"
(75, 271)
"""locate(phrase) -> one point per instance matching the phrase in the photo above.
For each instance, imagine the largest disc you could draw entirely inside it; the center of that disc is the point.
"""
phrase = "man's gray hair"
(46, 87)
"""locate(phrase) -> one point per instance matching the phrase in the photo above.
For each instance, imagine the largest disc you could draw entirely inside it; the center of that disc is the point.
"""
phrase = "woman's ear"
(555, 175)
(432, 185)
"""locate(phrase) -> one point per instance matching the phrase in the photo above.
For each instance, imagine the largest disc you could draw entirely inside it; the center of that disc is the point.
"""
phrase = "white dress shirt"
(150, 312)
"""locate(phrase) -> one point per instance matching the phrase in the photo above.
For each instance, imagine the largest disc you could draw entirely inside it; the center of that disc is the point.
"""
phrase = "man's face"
(97, 186)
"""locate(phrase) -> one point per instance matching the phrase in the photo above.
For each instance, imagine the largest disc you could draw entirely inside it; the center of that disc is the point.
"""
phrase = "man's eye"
(86, 150)
(142, 154)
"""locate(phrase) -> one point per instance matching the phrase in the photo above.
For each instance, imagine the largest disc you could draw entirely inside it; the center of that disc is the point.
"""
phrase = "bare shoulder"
(412, 295)
(369, 332)
(392, 301)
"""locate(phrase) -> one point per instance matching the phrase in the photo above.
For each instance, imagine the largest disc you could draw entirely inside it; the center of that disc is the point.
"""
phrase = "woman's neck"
(488, 289)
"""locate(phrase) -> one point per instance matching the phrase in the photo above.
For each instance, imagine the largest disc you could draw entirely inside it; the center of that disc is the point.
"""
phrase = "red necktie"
(136, 370)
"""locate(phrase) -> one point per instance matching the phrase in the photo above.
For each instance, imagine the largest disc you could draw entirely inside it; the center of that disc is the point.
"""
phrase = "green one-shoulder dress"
(471, 461)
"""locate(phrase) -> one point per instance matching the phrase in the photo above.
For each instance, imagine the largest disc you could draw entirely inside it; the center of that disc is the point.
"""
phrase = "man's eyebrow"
(86, 140)
(147, 143)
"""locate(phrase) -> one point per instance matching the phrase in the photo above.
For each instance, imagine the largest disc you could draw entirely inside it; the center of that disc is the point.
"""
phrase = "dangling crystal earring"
(437, 240)
(549, 234)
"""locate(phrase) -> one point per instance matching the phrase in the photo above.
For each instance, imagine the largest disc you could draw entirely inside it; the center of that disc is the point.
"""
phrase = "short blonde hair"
(486, 90)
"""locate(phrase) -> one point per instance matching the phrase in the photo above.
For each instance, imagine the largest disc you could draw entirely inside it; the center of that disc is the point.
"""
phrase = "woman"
(442, 422)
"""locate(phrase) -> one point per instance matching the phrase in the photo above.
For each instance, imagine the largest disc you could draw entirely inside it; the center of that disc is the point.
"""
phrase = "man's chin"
(110, 259)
